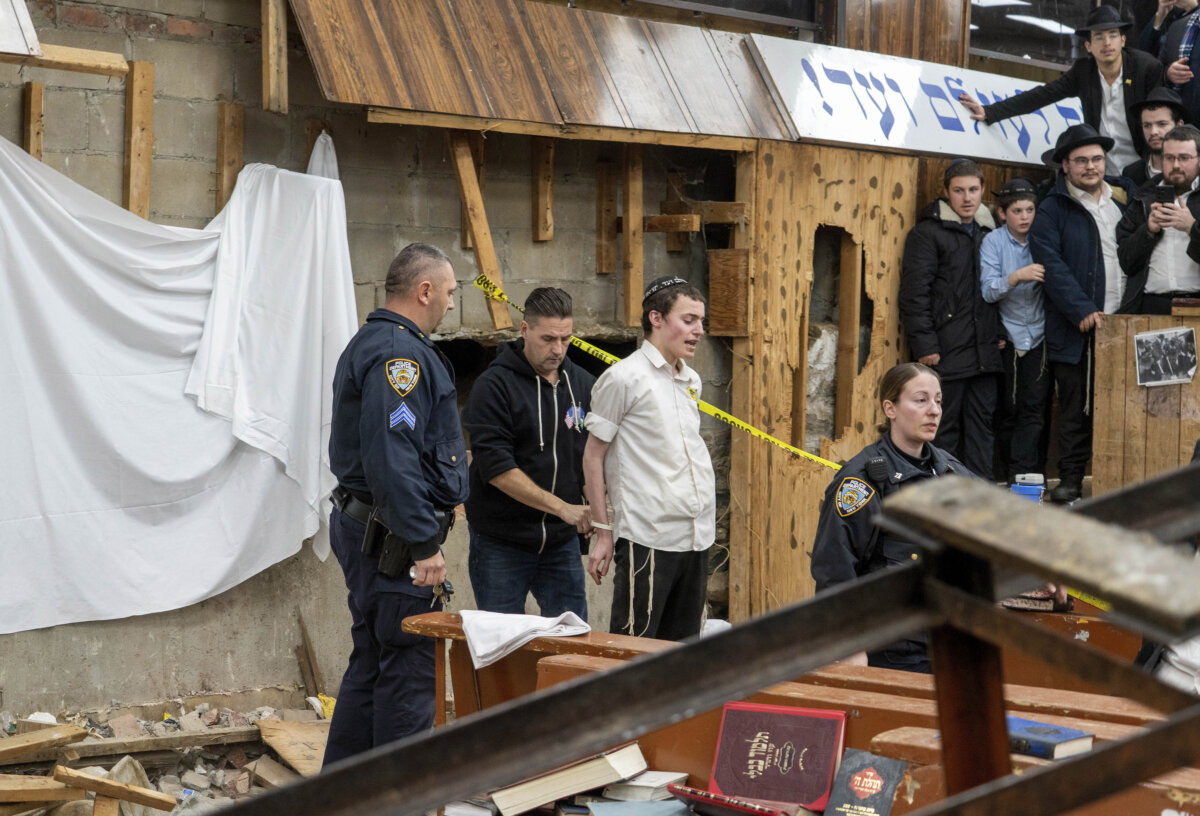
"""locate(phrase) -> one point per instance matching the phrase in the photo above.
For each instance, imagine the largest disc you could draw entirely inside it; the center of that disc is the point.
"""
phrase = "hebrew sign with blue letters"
(856, 97)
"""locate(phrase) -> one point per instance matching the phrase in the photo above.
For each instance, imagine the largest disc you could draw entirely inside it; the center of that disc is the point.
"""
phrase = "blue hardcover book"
(1040, 739)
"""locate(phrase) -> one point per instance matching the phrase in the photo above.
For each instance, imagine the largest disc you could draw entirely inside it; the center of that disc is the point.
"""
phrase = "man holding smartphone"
(1158, 240)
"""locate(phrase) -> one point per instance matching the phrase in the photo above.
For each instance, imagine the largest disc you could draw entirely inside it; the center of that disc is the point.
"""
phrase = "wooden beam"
(729, 292)
(274, 56)
(476, 142)
(687, 222)
(481, 235)
(79, 60)
(675, 205)
(543, 188)
(35, 119)
(27, 745)
(231, 127)
(631, 246)
(710, 212)
(606, 217)
(17, 788)
(139, 137)
(849, 316)
(106, 806)
(592, 133)
(115, 790)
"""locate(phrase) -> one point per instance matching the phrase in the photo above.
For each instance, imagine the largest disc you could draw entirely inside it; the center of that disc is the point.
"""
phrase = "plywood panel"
(799, 187)
(1134, 461)
(640, 81)
(1108, 434)
(713, 105)
(740, 69)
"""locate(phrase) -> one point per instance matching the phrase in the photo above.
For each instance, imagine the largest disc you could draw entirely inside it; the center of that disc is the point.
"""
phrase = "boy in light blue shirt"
(1010, 278)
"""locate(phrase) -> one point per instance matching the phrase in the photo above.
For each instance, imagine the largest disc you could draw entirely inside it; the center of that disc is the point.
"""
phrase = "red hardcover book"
(708, 803)
(779, 753)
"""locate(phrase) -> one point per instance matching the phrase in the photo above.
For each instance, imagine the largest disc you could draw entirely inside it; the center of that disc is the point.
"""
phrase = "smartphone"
(1164, 195)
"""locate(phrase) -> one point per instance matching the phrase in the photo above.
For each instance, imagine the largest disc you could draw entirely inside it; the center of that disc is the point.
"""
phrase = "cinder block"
(552, 262)
(372, 249)
(303, 88)
(432, 152)
(507, 202)
(182, 187)
(234, 12)
(106, 122)
(439, 205)
(377, 198)
(574, 207)
(66, 120)
(597, 302)
(365, 300)
(103, 175)
(247, 76)
(187, 70)
(268, 138)
(368, 145)
(188, 222)
(11, 114)
(185, 129)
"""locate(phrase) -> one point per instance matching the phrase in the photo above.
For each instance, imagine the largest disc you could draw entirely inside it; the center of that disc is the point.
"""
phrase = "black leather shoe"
(1065, 493)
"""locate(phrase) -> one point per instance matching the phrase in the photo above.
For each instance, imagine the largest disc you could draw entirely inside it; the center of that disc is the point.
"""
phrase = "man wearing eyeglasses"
(1074, 239)
(1158, 242)
(1107, 81)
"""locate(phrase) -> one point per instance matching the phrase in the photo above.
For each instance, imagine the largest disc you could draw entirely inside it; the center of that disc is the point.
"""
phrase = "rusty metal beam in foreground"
(523, 737)
(1151, 586)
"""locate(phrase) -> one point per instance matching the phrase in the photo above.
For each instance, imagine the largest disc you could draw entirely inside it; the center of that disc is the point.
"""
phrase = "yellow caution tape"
(493, 291)
(1091, 599)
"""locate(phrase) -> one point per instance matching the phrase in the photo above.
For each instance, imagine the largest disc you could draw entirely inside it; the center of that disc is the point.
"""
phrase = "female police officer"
(848, 543)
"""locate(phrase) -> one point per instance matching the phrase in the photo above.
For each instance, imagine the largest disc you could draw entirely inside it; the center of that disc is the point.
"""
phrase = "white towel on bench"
(492, 635)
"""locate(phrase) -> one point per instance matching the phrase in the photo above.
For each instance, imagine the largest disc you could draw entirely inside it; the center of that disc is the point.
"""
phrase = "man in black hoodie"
(526, 512)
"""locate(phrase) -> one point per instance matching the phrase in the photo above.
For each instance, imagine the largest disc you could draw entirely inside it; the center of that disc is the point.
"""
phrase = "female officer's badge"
(403, 375)
(852, 494)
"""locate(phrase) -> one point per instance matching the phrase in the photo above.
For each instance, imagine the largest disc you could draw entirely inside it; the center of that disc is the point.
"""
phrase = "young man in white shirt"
(645, 456)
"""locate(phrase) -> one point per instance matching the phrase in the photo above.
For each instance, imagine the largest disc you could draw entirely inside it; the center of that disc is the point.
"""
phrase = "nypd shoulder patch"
(403, 414)
(403, 375)
(852, 495)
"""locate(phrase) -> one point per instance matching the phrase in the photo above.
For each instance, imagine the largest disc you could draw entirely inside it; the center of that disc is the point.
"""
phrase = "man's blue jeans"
(501, 577)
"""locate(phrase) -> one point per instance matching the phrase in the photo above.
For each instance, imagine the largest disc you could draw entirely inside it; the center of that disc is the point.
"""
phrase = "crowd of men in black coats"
(1007, 315)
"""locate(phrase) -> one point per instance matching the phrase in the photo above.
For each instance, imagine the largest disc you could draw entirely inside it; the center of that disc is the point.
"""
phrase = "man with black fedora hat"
(1159, 113)
(1107, 81)
(1074, 239)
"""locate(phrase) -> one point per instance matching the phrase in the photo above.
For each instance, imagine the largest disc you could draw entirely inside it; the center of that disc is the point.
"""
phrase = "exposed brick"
(90, 17)
(48, 8)
(179, 27)
(142, 23)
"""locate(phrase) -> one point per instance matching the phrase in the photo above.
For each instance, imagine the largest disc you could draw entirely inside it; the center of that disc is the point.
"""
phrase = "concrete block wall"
(399, 188)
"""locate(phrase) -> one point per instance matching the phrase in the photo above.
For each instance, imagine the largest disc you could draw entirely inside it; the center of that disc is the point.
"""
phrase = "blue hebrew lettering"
(895, 87)
(1046, 122)
(1068, 114)
(886, 119)
(983, 100)
(812, 75)
(839, 77)
(936, 95)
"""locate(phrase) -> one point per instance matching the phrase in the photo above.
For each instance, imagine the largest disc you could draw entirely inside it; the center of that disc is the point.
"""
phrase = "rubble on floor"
(188, 762)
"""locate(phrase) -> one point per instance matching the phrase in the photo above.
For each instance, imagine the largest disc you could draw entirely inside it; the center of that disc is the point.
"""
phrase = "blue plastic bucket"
(1031, 492)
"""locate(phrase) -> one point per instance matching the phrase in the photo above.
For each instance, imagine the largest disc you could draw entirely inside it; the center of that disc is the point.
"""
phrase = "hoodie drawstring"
(576, 412)
(541, 441)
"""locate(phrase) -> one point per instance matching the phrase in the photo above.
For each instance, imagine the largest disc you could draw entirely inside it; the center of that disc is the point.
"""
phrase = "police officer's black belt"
(350, 504)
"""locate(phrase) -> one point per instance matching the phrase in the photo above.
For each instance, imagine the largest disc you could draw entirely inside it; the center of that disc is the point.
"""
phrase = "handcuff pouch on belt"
(395, 552)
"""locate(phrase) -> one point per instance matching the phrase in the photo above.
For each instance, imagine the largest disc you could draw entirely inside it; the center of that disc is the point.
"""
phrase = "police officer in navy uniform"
(848, 543)
(397, 450)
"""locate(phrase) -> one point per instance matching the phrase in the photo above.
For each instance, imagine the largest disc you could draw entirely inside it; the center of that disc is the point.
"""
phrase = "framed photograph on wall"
(1165, 357)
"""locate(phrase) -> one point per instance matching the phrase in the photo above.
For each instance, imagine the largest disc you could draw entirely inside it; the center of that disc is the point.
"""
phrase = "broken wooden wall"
(1138, 431)
(872, 196)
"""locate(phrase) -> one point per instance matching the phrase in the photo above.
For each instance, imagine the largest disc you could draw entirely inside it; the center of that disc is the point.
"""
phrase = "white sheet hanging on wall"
(121, 495)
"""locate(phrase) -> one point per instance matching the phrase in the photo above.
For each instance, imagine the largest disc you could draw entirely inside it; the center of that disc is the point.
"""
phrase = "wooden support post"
(606, 217)
(849, 315)
(543, 189)
(231, 126)
(274, 56)
(476, 141)
(35, 119)
(481, 235)
(312, 132)
(139, 137)
(741, 471)
(674, 205)
(632, 250)
(684, 222)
